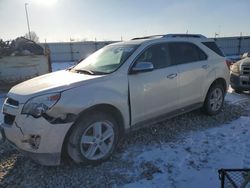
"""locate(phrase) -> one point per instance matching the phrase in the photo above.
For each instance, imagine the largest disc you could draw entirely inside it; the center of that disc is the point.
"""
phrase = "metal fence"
(73, 51)
(234, 178)
(234, 45)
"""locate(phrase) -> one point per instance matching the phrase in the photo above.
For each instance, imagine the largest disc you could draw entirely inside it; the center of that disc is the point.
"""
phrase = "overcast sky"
(60, 20)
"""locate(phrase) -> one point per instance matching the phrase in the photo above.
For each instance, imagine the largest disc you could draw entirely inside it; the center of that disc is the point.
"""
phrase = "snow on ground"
(235, 98)
(193, 161)
(195, 158)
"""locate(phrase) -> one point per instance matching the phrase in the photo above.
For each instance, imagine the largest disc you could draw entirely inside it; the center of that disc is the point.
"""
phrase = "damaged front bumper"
(37, 138)
(46, 159)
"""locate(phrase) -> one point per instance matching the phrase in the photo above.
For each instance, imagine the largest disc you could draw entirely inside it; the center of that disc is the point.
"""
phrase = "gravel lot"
(17, 170)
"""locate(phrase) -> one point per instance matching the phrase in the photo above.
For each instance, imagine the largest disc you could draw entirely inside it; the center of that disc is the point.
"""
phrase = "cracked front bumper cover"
(46, 159)
(51, 138)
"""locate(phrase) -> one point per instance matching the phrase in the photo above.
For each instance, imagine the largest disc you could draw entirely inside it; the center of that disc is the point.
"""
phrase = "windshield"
(105, 60)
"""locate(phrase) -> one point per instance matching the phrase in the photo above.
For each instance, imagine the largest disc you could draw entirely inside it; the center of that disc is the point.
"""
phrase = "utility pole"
(27, 18)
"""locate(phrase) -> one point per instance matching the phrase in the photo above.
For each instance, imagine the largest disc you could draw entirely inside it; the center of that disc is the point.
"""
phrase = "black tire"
(74, 145)
(207, 106)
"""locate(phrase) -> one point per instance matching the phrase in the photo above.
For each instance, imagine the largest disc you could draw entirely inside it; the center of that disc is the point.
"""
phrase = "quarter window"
(214, 47)
(184, 52)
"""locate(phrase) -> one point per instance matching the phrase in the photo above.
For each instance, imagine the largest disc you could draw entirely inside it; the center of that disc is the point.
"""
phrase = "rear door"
(192, 67)
(156, 92)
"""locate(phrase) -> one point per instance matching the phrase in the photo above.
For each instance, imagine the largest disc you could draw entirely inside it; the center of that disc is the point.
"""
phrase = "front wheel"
(93, 139)
(214, 100)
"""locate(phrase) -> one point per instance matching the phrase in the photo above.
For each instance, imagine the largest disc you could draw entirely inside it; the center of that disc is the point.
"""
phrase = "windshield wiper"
(84, 71)
(70, 67)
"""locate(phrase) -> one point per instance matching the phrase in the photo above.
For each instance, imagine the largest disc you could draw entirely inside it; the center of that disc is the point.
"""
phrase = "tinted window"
(214, 47)
(183, 52)
(157, 54)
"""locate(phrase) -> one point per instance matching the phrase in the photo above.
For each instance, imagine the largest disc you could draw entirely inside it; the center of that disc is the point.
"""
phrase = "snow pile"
(235, 98)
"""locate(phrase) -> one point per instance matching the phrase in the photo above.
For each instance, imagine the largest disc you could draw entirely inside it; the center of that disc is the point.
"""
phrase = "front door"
(156, 92)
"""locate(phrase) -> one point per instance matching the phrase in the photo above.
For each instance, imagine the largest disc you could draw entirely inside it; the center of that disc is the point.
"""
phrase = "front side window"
(105, 60)
(157, 54)
(184, 52)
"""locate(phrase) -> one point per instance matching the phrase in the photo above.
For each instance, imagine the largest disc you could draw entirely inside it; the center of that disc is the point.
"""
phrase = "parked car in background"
(233, 58)
(85, 110)
(240, 74)
(246, 54)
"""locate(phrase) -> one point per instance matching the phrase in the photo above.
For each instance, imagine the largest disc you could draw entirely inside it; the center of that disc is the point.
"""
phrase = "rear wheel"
(214, 100)
(93, 139)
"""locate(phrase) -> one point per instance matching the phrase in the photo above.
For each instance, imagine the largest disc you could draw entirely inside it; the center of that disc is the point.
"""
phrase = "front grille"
(246, 69)
(245, 83)
(12, 102)
(245, 79)
(9, 119)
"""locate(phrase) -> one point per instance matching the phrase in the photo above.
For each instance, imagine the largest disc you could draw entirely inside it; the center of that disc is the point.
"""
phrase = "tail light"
(228, 63)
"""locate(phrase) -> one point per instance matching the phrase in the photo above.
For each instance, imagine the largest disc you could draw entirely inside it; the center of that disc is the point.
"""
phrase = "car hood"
(245, 61)
(48, 83)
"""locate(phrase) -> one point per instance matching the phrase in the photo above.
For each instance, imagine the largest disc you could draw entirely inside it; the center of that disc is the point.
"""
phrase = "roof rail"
(172, 36)
(185, 35)
(148, 37)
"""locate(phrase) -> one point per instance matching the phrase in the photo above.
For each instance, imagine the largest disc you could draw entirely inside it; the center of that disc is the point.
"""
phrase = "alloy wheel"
(97, 140)
(216, 99)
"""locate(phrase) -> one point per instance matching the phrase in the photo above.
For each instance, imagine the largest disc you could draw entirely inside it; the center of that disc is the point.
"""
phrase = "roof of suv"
(168, 37)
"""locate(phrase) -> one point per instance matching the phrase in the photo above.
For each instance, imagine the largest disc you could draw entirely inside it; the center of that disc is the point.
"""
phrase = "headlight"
(39, 105)
(235, 68)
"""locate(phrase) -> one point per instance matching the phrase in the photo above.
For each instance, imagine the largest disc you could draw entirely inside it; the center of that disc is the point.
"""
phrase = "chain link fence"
(234, 178)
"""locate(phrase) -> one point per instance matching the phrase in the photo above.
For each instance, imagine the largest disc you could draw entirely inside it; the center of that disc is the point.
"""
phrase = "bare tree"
(33, 36)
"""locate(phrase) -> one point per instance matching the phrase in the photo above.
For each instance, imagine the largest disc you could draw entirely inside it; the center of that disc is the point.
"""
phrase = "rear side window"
(213, 46)
(184, 52)
(157, 54)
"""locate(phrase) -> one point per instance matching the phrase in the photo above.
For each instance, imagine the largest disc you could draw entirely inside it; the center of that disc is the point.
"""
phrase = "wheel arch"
(221, 81)
(107, 108)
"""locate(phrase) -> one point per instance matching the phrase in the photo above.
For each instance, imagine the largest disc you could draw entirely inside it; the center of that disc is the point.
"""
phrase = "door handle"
(205, 66)
(171, 76)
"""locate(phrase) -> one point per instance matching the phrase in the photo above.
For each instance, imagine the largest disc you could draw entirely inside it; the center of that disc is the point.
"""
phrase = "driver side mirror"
(142, 67)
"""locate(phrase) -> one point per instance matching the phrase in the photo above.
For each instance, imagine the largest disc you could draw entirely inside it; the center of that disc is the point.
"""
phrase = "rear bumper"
(239, 82)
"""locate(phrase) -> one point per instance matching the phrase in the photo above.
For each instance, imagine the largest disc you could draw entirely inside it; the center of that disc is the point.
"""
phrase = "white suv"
(84, 110)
